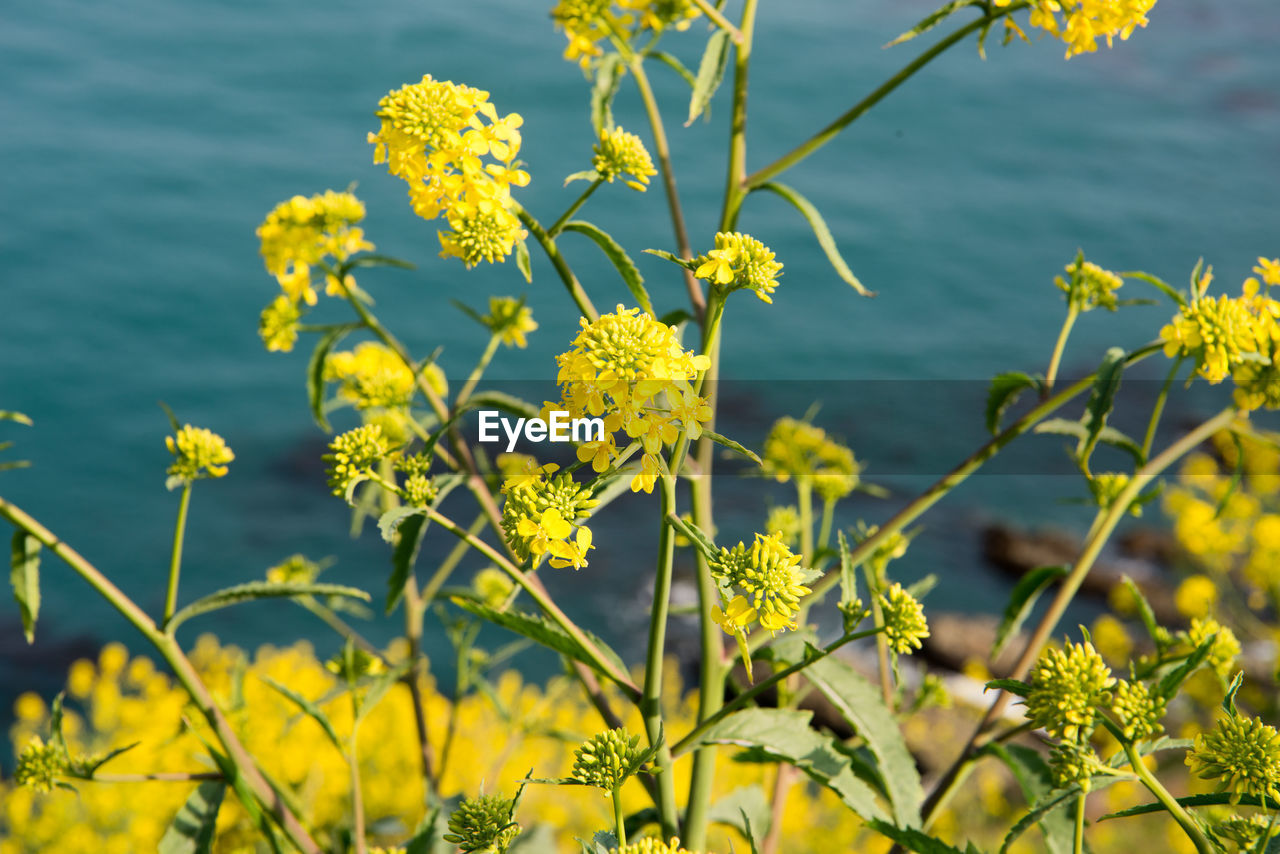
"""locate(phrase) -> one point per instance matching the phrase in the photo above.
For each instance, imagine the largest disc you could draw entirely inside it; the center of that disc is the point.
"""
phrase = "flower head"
(1080, 23)
(606, 760)
(510, 319)
(303, 232)
(199, 453)
(1215, 333)
(798, 449)
(354, 454)
(371, 375)
(278, 325)
(771, 578)
(493, 586)
(483, 824)
(740, 261)
(39, 765)
(352, 664)
(904, 622)
(1089, 286)
(621, 153)
(1072, 762)
(1138, 710)
(1242, 754)
(1225, 648)
(295, 569)
(1067, 687)
(482, 231)
(539, 513)
(785, 519)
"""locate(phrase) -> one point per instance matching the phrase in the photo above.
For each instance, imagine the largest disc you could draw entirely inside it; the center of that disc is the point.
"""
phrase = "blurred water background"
(144, 141)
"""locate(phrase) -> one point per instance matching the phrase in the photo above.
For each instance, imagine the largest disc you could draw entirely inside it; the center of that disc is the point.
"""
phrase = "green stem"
(618, 820)
(1073, 311)
(874, 586)
(736, 185)
(663, 151)
(339, 625)
(161, 777)
(829, 133)
(651, 701)
(1078, 846)
(477, 372)
(558, 225)
(414, 610)
(450, 563)
(1203, 846)
(804, 496)
(719, 20)
(828, 517)
(357, 796)
(1158, 409)
(571, 283)
(175, 558)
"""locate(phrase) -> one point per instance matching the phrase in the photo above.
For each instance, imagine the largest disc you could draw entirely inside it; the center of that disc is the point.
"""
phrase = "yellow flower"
(303, 232)
(1225, 648)
(740, 261)
(199, 452)
(1090, 286)
(904, 623)
(1196, 596)
(1215, 333)
(278, 326)
(1083, 22)
(295, 569)
(493, 586)
(649, 845)
(1067, 687)
(371, 375)
(1243, 754)
(618, 153)
(538, 516)
(771, 577)
(353, 456)
(798, 449)
(510, 319)
(482, 231)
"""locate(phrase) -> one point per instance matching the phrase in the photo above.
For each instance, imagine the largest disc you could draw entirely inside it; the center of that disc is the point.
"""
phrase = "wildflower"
(493, 586)
(353, 663)
(485, 823)
(1107, 487)
(371, 375)
(354, 455)
(1090, 286)
(1067, 687)
(1196, 596)
(1138, 709)
(770, 576)
(1215, 333)
(1111, 639)
(295, 569)
(904, 623)
(199, 452)
(1083, 22)
(584, 23)
(648, 845)
(482, 231)
(786, 521)
(278, 326)
(1268, 269)
(798, 449)
(510, 319)
(1225, 648)
(621, 153)
(606, 760)
(538, 516)
(740, 261)
(1245, 832)
(588, 22)
(39, 765)
(1071, 762)
(303, 232)
(1243, 754)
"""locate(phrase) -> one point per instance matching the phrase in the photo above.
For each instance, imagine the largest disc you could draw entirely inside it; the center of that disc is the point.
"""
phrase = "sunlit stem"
(1051, 375)
(651, 700)
(1078, 845)
(175, 558)
(558, 225)
(477, 372)
(548, 244)
(357, 795)
(1158, 410)
(1170, 803)
(618, 821)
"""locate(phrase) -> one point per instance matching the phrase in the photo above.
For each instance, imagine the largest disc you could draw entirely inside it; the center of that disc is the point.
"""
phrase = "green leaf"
(541, 631)
(860, 703)
(676, 65)
(1036, 781)
(1108, 435)
(253, 590)
(932, 20)
(1215, 799)
(315, 370)
(309, 708)
(820, 230)
(193, 827)
(1229, 701)
(1145, 612)
(674, 259)
(24, 575)
(469, 312)
(369, 259)
(710, 73)
(733, 446)
(1101, 400)
(620, 260)
(695, 534)
(1038, 812)
(848, 582)
(88, 768)
(609, 71)
(1013, 686)
(746, 809)
(1004, 392)
(781, 734)
(916, 840)
(1157, 283)
(523, 262)
(1022, 600)
(1173, 680)
(10, 415)
(675, 318)
(584, 175)
(411, 523)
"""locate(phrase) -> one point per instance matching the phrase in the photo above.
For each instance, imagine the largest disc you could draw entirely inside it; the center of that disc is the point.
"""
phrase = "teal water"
(145, 140)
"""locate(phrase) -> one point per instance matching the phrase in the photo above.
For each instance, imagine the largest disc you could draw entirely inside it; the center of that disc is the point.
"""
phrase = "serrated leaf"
(676, 65)
(90, 767)
(733, 446)
(848, 581)
(932, 20)
(1038, 812)
(1013, 686)
(860, 703)
(370, 259)
(1036, 781)
(315, 370)
(1173, 680)
(619, 258)
(193, 827)
(1077, 430)
(309, 708)
(1215, 799)
(24, 577)
(820, 231)
(781, 734)
(609, 72)
(1158, 283)
(542, 631)
(1022, 600)
(254, 590)
(710, 73)
(913, 839)
(523, 263)
(695, 534)
(1145, 612)
(1004, 392)
(1101, 400)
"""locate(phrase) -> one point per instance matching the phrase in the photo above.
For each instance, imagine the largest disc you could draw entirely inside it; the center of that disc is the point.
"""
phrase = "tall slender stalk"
(548, 244)
(1188, 824)
(1051, 375)
(651, 699)
(175, 558)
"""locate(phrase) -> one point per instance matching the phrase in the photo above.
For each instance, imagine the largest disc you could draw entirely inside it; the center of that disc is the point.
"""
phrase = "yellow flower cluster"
(771, 579)
(1089, 285)
(798, 449)
(1242, 754)
(631, 370)
(435, 135)
(353, 455)
(1080, 23)
(115, 701)
(371, 375)
(740, 261)
(649, 845)
(199, 453)
(510, 319)
(304, 232)
(588, 22)
(622, 153)
(1067, 688)
(538, 516)
(904, 622)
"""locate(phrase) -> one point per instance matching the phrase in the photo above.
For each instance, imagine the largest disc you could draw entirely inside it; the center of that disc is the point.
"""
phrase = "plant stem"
(882, 643)
(735, 184)
(162, 777)
(651, 702)
(1170, 803)
(1149, 439)
(357, 796)
(804, 497)
(557, 226)
(828, 517)
(339, 625)
(1073, 311)
(618, 820)
(476, 373)
(828, 133)
(451, 561)
(1078, 845)
(414, 610)
(663, 150)
(719, 20)
(175, 559)
(548, 244)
